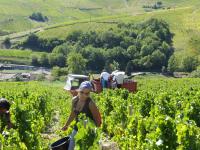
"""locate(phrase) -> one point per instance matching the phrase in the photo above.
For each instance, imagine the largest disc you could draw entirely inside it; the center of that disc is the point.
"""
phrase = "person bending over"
(82, 103)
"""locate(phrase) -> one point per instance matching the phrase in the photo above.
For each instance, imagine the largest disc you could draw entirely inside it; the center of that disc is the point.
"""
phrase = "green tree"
(159, 3)
(55, 72)
(38, 16)
(173, 64)
(32, 40)
(61, 60)
(94, 55)
(110, 39)
(52, 59)
(133, 52)
(58, 72)
(189, 63)
(196, 73)
(114, 66)
(44, 61)
(167, 50)
(76, 63)
(119, 55)
(34, 60)
(63, 49)
(129, 68)
(136, 65)
(57, 60)
(74, 36)
(145, 62)
(147, 50)
(7, 42)
(158, 59)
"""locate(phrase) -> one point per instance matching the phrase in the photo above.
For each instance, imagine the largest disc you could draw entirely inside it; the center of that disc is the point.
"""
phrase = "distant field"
(17, 56)
(98, 24)
(14, 13)
(184, 23)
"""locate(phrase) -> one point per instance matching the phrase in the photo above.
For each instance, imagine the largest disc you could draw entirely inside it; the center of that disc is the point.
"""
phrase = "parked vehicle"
(73, 82)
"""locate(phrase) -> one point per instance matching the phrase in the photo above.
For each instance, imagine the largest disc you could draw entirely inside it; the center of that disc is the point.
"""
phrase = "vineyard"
(33, 108)
(18, 56)
(163, 114)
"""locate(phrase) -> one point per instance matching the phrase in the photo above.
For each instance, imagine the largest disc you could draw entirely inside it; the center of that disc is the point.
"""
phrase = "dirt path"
(22, 34)
(50, 133)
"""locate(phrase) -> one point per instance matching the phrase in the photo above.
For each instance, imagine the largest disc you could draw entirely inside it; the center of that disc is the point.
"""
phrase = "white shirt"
(105, 75)
(119, 75)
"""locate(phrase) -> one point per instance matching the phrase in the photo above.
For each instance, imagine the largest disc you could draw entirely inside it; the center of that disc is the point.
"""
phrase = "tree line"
(128, 46)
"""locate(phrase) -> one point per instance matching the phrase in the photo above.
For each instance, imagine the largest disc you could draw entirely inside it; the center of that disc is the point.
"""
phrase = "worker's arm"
(70, 119)
(72, 116)
(96, 114)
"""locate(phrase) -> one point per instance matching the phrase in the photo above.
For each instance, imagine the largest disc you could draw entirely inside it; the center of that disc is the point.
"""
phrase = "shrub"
(196, 73)
(40, 77)
(173, 64)
(7, 42)
(39, 44)
(59, 73)
(34, 60)
(76, 63)
(37, 16)
(44, 61)
(189, 63)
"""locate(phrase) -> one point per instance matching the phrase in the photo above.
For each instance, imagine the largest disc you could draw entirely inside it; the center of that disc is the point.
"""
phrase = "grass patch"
(17, 56)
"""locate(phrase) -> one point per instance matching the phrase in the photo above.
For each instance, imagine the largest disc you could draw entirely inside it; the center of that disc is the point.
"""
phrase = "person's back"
(105, 75)
(104, 79)
(119, 76)
(113, 82)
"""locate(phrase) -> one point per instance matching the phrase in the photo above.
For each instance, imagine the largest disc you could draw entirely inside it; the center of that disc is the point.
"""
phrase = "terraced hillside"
(68, 15)
(184, 23)
(18, 56)
(14, 14)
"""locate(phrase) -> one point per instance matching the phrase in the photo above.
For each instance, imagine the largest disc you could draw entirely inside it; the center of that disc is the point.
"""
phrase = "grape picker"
(82, 103)
(5, 114)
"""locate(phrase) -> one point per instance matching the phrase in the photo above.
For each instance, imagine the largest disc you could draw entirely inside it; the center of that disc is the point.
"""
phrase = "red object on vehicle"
(97, 85)
(74, 93)
(130, 85)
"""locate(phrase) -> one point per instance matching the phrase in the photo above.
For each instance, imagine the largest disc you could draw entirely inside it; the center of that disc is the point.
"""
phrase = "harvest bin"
(97, 85)
(131, 86)
(61, 144)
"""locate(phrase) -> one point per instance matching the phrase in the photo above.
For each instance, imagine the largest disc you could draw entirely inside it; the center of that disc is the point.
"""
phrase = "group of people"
(108, 80)
(113, 80)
